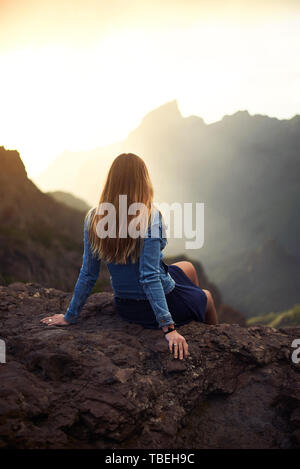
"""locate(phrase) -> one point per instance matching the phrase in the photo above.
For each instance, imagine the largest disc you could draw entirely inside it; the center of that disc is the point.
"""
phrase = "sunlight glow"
(56, 97)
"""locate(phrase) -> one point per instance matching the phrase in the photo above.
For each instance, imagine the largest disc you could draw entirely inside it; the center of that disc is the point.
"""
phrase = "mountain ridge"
(39, 237)
(166, 109)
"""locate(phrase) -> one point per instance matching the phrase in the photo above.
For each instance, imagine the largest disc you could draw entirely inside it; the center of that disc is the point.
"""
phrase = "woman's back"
(128, 279)
(146, 278)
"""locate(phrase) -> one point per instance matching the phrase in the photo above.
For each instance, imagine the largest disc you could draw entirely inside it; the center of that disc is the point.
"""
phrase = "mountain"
(265, 280)
(244, 168)
(40, 238)
(70, 173)
(288, 318)
(70, 200)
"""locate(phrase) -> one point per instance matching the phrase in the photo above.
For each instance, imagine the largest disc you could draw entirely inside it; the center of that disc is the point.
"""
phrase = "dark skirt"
(186, 303)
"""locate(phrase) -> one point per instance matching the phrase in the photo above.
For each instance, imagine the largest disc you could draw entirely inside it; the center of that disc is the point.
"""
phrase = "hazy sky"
(78, 74)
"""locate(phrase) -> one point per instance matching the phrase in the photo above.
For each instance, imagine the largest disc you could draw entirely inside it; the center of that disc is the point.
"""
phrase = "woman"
(146, 290)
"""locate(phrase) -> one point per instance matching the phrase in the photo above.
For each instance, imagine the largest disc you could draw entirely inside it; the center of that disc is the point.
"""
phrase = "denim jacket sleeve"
(149, 275)
(86, 280)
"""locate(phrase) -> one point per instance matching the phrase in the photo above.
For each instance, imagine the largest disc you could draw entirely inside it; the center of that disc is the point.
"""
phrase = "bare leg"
(189, 270)
(211, 316)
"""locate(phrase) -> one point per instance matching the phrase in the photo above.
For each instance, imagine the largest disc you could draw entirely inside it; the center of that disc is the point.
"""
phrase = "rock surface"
(105, 383)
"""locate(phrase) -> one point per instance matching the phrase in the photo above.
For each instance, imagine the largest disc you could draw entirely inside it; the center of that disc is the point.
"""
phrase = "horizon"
(87, 150)
(79, 77)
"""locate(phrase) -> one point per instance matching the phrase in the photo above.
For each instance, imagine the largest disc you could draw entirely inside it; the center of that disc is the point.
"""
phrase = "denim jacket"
(147, 278)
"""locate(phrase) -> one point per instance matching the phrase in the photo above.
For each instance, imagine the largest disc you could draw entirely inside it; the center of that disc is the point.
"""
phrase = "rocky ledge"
(105, 383)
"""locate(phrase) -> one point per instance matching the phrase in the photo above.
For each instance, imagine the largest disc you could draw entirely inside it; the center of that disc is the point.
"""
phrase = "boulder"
(107, 383)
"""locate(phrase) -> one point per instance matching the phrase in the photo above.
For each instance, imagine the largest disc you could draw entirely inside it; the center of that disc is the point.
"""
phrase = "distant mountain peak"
(11, 164)
(237, 115)
(168, 112)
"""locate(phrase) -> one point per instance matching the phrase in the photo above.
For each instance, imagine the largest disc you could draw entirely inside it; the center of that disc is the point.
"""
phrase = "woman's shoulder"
(155, 223)
(91, 211)
(89, 215)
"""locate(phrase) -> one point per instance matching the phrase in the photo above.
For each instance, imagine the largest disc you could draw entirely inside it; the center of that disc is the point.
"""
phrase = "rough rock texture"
(105, 383)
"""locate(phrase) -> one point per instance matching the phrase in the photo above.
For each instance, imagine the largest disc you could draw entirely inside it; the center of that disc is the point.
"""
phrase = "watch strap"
(170, 329)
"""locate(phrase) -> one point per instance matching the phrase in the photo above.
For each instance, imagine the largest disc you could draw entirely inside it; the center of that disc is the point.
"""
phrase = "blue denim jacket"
(147, 278)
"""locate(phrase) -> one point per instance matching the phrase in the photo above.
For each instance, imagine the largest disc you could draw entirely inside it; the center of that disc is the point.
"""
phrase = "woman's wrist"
(167, 328)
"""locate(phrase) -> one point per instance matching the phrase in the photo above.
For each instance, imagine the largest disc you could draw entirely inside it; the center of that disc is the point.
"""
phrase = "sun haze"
(76, 75)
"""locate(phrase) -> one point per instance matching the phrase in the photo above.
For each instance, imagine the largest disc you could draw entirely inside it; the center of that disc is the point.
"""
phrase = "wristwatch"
(170, 329)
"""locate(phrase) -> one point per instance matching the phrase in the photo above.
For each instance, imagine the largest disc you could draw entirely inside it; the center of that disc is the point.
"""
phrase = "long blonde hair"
(128, 175)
